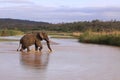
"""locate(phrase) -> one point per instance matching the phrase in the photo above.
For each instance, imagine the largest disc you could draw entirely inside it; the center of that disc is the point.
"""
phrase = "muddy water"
(69, 60)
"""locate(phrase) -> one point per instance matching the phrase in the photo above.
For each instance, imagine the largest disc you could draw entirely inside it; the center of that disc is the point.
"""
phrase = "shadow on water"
(34, 60)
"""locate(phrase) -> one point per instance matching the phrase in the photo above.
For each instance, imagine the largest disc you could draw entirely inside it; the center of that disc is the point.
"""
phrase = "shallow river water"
(69, 60)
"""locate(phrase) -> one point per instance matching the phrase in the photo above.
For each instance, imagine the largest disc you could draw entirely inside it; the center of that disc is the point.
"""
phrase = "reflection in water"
(34, 60)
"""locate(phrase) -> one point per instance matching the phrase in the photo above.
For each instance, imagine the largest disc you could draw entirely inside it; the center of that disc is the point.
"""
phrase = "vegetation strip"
(101, 38)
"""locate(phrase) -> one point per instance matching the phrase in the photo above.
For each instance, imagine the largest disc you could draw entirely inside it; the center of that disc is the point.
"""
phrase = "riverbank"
(51, 34)
(107, 38)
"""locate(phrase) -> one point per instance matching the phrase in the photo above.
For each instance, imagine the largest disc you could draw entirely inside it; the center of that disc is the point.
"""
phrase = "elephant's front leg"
(36, 47)
(28, 49)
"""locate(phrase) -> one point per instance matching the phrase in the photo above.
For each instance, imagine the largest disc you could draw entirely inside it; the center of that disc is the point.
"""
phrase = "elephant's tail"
(19, 47)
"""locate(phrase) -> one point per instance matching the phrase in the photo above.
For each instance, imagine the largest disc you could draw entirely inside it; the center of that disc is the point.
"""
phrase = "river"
(69, 60)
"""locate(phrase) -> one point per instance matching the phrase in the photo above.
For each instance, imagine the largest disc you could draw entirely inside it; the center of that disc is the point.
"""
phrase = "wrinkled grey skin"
(34, 38)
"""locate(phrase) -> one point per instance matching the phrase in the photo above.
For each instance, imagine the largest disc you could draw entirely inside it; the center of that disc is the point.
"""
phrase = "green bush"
(10, 32)
(109, 39)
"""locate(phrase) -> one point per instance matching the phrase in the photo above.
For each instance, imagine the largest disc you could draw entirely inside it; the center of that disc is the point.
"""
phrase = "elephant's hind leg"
(40, 48)
(22, 48)
(38, 44)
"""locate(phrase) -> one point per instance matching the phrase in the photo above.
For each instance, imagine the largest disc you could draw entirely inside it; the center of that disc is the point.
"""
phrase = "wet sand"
(69, 60)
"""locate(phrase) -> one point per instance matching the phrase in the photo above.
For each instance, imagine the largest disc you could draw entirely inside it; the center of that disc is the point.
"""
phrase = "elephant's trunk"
(48, 44)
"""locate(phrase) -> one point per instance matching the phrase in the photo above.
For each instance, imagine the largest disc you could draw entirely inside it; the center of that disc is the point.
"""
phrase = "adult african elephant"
(34, 38)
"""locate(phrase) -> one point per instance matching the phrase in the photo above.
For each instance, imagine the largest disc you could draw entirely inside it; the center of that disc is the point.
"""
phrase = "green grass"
(100, 38)
(10, 32)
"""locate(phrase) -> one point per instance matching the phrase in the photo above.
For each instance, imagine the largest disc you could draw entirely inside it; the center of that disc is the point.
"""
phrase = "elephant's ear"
(45, 36)
(41, 35)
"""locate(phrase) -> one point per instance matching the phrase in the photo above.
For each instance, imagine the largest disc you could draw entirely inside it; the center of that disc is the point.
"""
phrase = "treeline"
(20, 24)
(95, 25)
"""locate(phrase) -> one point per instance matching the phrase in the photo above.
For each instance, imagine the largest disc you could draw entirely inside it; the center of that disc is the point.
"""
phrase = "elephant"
(34, 38)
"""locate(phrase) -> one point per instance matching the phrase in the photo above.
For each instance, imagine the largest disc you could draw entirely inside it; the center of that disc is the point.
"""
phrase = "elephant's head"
(44, 36)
